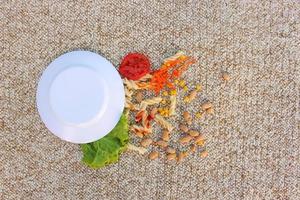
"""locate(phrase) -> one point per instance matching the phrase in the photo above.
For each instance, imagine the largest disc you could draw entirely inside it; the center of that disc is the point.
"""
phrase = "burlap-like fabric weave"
(253, 138)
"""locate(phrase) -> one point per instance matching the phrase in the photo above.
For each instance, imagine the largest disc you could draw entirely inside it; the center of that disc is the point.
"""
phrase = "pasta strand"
(174, 57)
(164, 123)
(172, 105)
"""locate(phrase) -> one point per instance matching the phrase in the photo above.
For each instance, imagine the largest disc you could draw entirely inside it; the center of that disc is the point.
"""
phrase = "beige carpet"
(253, 138)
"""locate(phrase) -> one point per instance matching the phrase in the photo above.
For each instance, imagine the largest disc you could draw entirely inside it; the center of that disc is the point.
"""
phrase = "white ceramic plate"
(80, 97)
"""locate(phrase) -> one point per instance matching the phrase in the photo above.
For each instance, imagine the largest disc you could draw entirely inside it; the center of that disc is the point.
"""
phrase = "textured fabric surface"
(253, 138)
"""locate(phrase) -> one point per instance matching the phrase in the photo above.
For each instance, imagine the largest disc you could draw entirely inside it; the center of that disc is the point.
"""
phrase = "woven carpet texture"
(252, 139)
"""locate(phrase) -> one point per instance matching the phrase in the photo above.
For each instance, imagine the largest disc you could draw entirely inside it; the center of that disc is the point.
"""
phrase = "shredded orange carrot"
(177, 72)
(170, 85)
(143, 85)
(173, 63)
(163, 76)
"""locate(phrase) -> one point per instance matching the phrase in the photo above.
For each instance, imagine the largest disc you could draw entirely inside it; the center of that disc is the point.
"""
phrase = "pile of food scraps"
(164, 83)
(157, 110)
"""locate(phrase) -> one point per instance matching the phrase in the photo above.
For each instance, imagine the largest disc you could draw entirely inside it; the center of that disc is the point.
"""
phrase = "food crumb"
(186, 99)
(201, 143)
(198, 88)
(210, 110)
(194, 133)
(139, 97)
(166, 135)
(162, 143)
(170, 150)
(171, 156)
(225, 76)
(182, 83)
(182, 155)
(173, 92)
(206, 105)
(204, 154)
(185, 88)
(183, 128)
(193, 148)
(146, 142)
(165, 93)
(187, 117)
(198, 115)
(186, 139)
(153, 155)
(199, 138)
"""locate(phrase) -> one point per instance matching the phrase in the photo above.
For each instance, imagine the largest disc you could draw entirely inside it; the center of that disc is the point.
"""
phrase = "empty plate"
(80, 97)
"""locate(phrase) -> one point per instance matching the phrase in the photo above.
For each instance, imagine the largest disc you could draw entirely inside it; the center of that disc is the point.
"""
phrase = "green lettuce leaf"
(107, 150)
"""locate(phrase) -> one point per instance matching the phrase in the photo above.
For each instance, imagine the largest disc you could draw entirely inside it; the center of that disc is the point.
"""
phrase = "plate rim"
(51, 123)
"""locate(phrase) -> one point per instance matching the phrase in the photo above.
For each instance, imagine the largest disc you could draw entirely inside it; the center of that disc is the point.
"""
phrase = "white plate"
(80, 97)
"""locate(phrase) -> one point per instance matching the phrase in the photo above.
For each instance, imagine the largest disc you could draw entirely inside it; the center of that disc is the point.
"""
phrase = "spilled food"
(155, 110)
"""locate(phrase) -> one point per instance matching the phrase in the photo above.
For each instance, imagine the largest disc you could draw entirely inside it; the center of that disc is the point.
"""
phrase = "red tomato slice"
(134, 66)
